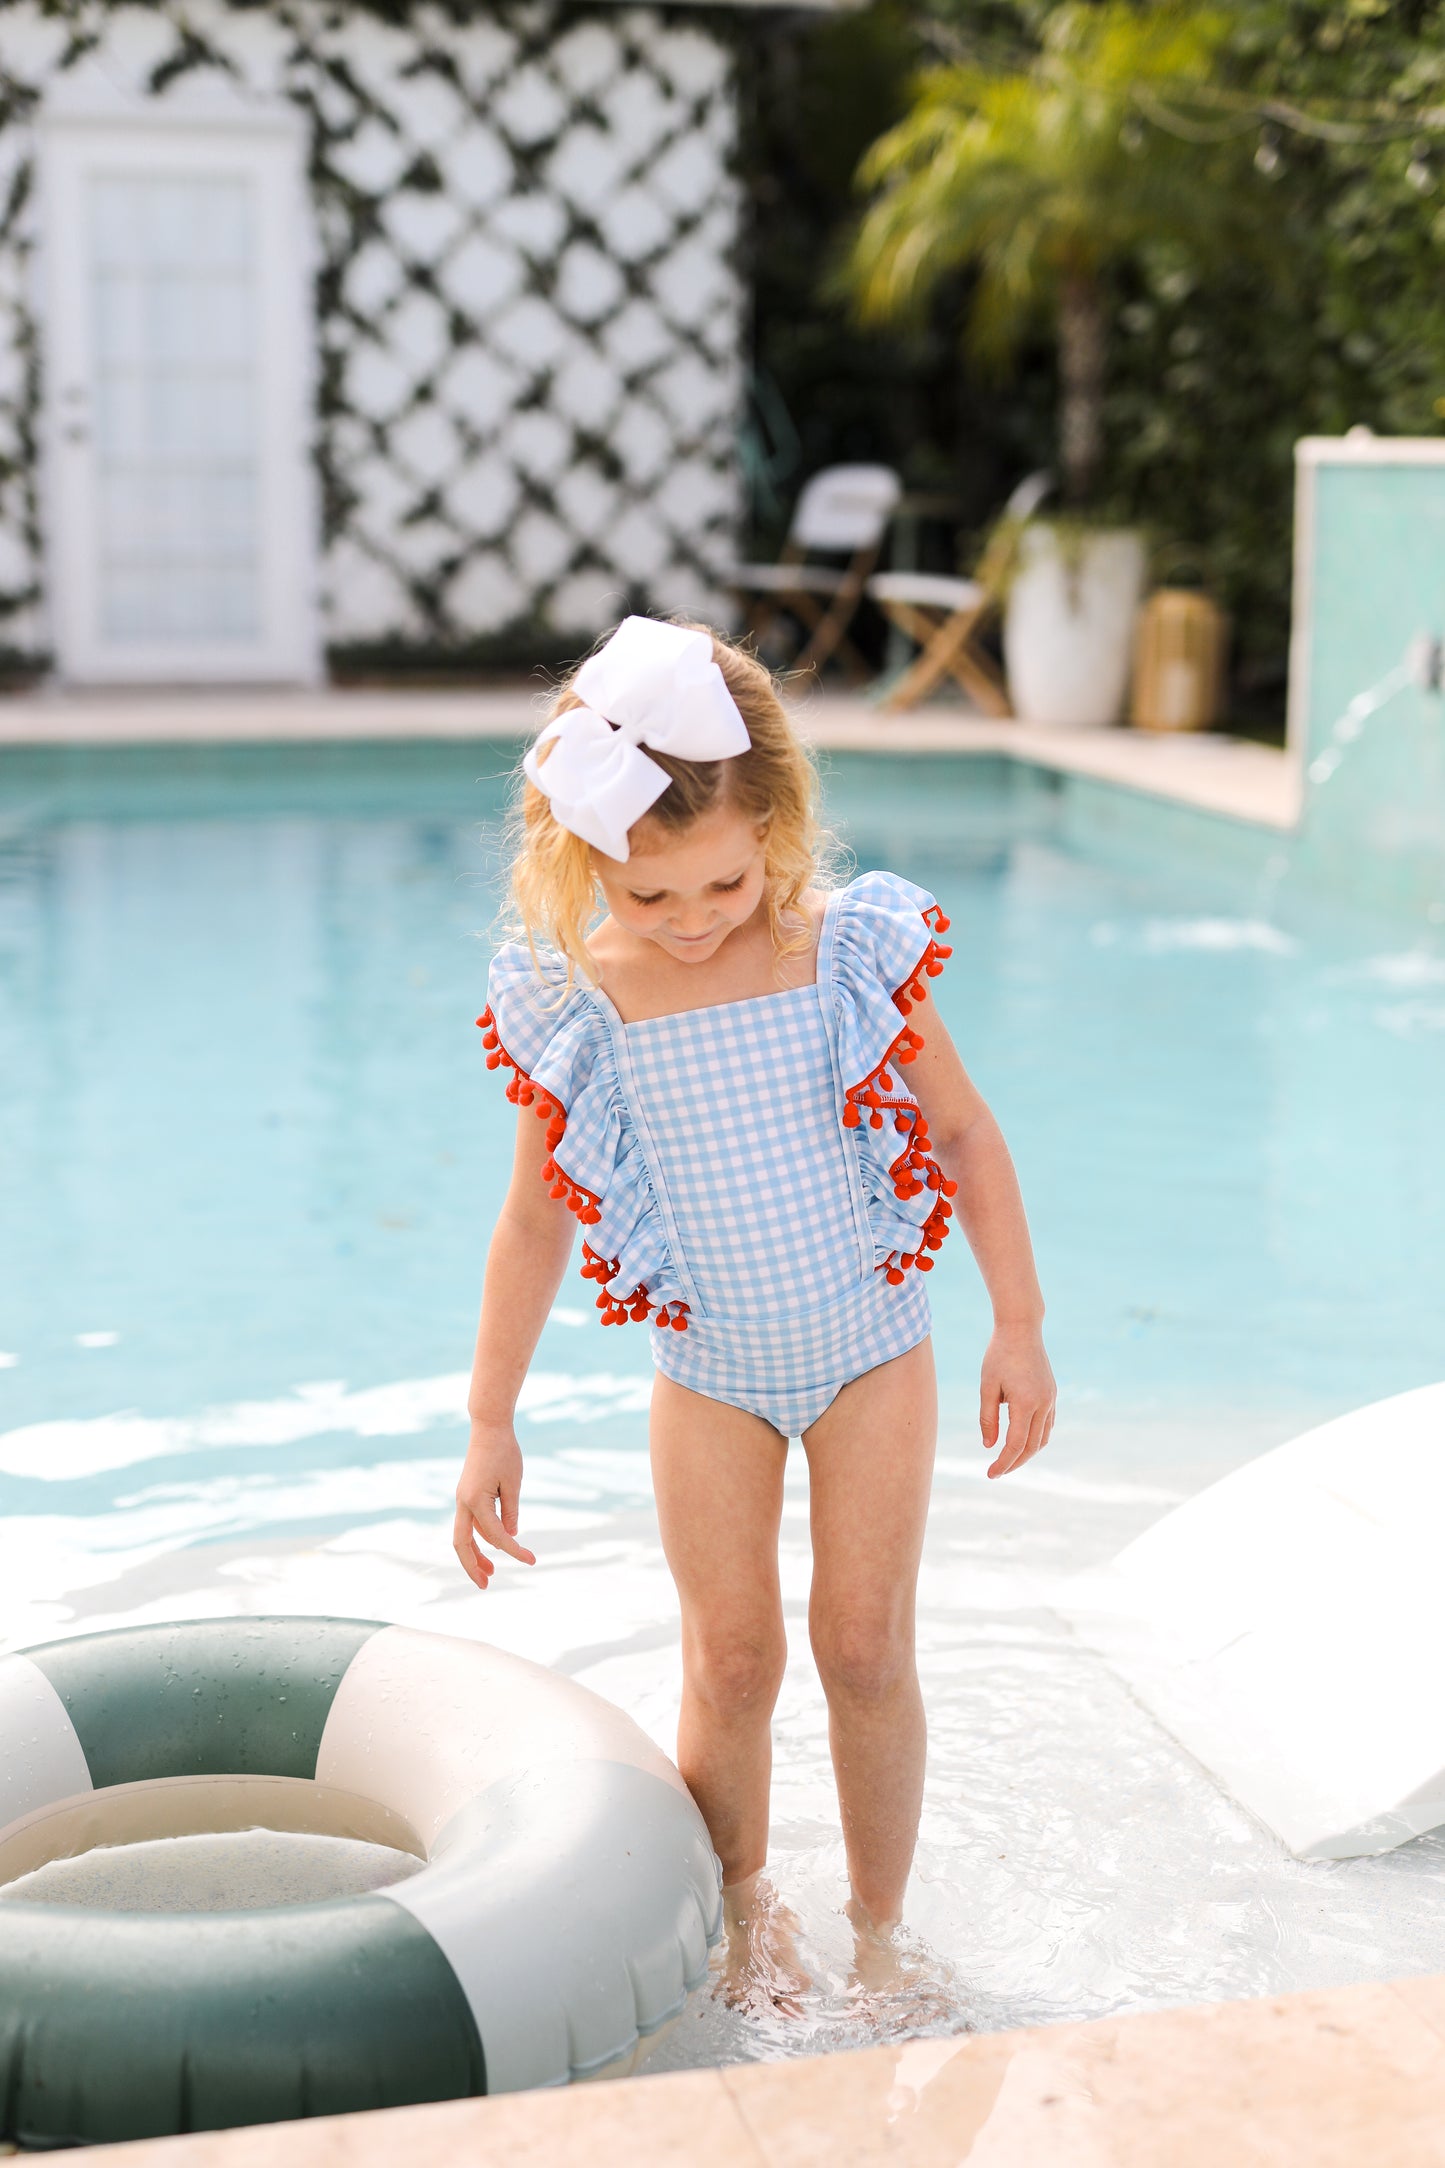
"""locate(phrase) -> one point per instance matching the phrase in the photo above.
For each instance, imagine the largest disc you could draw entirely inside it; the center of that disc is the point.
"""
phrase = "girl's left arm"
(968, 1145)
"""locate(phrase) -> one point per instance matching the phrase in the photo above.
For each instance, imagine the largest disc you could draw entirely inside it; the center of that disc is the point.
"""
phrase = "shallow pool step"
(1286, 1627)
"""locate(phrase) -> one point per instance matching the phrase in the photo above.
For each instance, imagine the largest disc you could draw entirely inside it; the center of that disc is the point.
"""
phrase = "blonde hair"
(555, 896)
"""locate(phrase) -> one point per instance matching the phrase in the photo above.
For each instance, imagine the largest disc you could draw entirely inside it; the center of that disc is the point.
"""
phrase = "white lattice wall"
(528, 318)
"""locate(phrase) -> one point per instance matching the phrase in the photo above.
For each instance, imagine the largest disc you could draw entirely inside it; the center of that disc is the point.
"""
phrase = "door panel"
(182, 506)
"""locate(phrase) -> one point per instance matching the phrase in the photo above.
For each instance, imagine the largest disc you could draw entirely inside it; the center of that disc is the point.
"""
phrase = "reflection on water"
(251, 1153)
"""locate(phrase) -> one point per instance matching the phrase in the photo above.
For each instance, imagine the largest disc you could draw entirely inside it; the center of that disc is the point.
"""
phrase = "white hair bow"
(652, 684)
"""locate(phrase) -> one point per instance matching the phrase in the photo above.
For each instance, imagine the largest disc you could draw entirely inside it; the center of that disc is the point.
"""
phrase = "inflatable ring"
(567, 1905)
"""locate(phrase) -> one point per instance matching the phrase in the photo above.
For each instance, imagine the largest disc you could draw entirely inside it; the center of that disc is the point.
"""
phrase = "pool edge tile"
(674, 2120)
(1330, 2076)
(1424, 1997)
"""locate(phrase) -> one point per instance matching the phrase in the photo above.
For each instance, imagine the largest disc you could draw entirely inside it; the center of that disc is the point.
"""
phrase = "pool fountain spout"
(1425, 657)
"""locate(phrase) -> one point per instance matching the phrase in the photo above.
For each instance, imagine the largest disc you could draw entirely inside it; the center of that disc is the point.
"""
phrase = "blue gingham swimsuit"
(752, 1177)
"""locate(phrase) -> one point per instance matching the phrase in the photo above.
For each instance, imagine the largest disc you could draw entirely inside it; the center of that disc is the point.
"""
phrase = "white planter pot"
(1069, 626)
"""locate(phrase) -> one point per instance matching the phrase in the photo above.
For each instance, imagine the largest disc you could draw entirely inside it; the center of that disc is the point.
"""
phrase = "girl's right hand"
(488, 1491)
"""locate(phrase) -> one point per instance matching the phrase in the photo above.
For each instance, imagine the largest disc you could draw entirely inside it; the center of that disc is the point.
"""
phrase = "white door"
(181, 506)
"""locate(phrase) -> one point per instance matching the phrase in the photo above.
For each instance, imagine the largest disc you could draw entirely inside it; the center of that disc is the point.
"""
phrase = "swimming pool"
(249, 1155)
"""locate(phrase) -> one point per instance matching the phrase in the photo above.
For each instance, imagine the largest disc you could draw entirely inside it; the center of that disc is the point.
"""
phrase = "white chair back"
(845, 508)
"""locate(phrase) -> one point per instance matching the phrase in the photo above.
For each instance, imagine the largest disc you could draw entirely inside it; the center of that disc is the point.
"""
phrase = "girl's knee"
(862, 1659)
(735, 1673)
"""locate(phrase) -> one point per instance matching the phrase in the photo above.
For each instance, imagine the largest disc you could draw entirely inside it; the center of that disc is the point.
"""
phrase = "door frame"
(203, 121)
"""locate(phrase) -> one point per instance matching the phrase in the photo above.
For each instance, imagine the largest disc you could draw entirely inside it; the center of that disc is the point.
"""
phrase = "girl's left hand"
(1016, 1372)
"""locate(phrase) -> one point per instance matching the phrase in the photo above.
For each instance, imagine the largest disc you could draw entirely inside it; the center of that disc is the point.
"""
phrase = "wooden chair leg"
(929, 665)
(807, 614)
(776, 602)
(830, 636)
(981, 681)
(825, 633)
(949, 652)
(759, 614)
(920, 629)
(912, 622)
(959, 653)
(763, 610)
(847, 653)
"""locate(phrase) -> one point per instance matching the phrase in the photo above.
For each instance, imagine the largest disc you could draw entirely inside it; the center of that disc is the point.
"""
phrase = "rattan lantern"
(1179, 648)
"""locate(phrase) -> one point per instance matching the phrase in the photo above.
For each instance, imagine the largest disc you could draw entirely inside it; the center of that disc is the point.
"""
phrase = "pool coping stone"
(1331, 2076)
(1233, 777)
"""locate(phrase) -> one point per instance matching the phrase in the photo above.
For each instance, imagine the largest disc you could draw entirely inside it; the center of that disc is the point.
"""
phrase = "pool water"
(249, 1157)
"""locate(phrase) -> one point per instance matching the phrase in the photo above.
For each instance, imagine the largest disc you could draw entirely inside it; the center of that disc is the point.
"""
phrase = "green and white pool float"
(566, 1907)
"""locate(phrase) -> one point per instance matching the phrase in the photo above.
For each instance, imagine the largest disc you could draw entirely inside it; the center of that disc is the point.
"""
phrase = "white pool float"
(566, 1907)
(1287, 1627)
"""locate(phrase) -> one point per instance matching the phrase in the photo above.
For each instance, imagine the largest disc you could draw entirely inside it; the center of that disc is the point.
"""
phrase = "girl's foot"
(899, 1986)
(762, 1974)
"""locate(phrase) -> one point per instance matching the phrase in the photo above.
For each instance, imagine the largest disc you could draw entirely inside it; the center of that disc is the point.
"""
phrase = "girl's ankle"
(870, 1926)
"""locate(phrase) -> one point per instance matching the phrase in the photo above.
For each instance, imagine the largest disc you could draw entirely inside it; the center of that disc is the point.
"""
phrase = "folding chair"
(944, 616)
(841, 509)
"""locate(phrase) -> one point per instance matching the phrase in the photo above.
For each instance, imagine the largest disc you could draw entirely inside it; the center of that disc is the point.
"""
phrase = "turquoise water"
(248, 1130)
(249, 1155)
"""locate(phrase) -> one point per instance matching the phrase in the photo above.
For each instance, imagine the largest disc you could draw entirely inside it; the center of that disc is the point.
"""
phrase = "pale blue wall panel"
(1374, 827)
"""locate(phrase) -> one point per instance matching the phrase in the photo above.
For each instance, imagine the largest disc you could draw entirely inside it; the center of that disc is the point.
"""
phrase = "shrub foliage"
(1218, 359)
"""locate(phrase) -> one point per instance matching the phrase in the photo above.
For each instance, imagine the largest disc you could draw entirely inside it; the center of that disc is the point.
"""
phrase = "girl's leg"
(718, 1477)
(870, 1458)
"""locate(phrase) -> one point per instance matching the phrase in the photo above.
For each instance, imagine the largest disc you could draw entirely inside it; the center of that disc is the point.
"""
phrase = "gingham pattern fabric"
(790, 1370)
(740, 1113)
(710, 1152)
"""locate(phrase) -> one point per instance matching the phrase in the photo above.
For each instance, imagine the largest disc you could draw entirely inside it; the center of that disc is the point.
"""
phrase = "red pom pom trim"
(524, 1091)
(636, 1307)
(915, 1169)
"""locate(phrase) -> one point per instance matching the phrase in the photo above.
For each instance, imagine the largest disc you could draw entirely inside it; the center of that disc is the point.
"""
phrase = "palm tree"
(1044, 180)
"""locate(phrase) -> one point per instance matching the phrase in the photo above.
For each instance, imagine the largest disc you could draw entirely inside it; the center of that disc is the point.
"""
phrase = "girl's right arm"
(528, 1255)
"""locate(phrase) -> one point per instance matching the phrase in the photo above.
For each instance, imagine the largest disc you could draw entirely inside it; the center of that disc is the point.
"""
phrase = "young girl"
(738, 1083)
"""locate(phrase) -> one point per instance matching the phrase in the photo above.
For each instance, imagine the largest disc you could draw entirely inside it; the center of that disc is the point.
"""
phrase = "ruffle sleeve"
(556, 1043)
(886, 950)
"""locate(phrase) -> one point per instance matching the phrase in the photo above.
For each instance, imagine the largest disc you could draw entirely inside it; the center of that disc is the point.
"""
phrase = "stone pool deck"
(1216, 774)
(1326, 2080)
